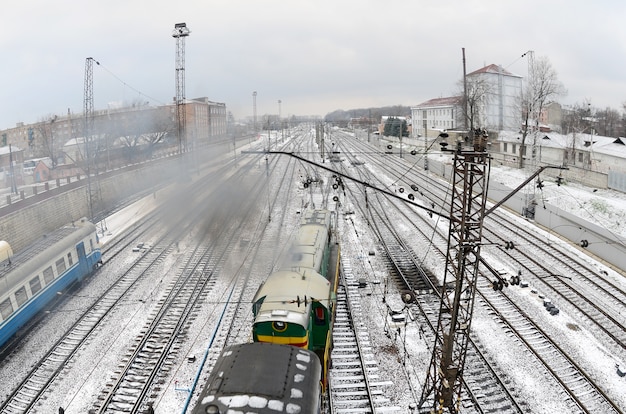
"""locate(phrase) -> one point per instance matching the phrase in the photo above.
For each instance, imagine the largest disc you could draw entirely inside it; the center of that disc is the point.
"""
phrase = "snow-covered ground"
(603, 207)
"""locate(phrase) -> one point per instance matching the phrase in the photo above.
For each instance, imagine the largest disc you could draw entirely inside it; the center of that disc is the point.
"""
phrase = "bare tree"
(608, 122)
(472, 104)
(44, 139)
(163, 126)
(142, 130)
(578, 120)
(542, 87)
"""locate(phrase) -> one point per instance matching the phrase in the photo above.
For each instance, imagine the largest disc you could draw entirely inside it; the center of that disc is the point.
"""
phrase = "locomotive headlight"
(279, 326)
(212, 409)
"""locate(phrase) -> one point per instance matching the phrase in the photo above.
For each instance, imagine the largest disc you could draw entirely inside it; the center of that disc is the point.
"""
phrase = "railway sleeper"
(363, 410)
(356, 393)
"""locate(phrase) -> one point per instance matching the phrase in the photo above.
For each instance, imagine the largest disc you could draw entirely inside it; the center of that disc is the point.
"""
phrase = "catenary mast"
(442, 389)
(180, 33)
(93, 183)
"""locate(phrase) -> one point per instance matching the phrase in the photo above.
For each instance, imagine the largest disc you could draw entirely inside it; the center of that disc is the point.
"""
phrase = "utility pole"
(470, 176)
(12, 170)
(465, 115)
(254, 114)
(369, 125)
(88, 129)
(180, 33)
(279, 121)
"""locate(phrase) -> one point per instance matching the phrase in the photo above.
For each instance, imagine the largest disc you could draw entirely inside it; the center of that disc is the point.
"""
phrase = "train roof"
(282, 290)
(316, 217)
(307, 246)
(263, 378)
(28, 262)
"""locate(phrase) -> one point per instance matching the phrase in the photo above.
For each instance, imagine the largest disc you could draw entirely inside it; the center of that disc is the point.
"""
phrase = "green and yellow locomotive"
(295, 305)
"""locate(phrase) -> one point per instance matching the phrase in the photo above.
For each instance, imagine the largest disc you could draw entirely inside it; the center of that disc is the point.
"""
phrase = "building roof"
(580, 141)
(493, 69)
(13, 148)
(449, 101)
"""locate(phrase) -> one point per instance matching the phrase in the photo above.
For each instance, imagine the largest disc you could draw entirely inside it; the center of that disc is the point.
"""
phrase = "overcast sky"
(315, 56)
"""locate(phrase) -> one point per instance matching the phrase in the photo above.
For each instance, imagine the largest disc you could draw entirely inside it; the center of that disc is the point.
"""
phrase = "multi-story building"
(432, 117)
(205, 119)
(500, 108)
(497, 109)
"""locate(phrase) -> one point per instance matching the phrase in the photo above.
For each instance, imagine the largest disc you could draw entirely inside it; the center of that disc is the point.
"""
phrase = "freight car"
(263, 378)
(31, 279)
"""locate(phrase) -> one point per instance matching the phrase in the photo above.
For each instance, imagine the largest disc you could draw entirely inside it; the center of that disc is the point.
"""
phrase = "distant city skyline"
(312, 56)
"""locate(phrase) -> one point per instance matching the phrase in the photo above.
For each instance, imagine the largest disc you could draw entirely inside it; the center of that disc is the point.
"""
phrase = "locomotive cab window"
(320, 318)
(70, 262)
(257, 306)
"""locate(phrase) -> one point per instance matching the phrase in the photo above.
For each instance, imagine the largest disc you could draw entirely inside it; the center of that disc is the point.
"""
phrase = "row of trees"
(396, 127)
(130, 132)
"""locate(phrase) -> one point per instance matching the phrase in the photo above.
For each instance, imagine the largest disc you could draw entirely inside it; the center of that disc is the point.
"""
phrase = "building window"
(580, 156)
(506, 146)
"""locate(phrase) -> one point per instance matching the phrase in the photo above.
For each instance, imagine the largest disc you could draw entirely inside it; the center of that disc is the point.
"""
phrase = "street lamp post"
(400, 135)
(52, 141)
(279, 122)
(254, 114)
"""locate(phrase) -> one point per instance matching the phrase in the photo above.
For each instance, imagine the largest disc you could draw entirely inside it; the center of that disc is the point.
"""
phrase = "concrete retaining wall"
(48, 211)
(602, 243)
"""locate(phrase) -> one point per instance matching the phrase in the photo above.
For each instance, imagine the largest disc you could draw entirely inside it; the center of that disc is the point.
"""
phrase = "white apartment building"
(499, 109)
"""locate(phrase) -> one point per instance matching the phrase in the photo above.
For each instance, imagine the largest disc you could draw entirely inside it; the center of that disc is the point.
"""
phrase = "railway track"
(33, 386)
(147, 365)
(143, 366)
(485, 388)
(573, 285)
(149, 355)
(581, 392)
(356, 384)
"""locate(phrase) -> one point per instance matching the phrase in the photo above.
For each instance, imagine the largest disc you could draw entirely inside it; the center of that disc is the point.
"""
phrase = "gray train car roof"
(259, 377)
(307, 246)
(47, 249)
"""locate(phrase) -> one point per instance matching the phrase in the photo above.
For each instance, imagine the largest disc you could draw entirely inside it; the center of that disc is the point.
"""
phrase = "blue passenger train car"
(30, 279)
